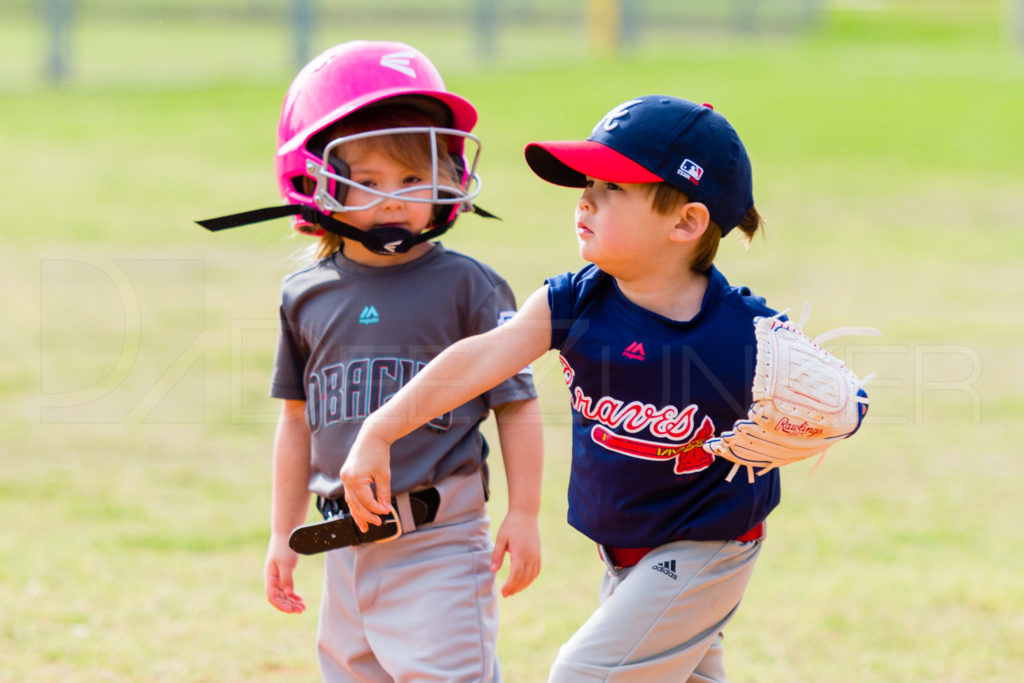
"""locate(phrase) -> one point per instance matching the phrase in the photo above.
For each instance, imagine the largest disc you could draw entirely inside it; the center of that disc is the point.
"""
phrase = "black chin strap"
(376, 242)
(255, 216)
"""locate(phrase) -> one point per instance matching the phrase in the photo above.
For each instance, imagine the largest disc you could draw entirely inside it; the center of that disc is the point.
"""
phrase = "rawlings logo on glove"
(805, 400)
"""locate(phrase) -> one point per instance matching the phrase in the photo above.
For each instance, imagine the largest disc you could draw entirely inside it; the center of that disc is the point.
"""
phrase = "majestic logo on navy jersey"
(351, 391)
(634, 351)
(614, 416)
(368, 316)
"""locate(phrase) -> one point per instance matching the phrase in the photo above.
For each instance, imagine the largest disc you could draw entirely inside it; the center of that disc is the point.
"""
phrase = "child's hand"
(277, 576)
(368, 467)
(519, 536)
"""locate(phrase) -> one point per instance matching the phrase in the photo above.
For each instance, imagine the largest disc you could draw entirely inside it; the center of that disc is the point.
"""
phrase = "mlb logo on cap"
(691, 170)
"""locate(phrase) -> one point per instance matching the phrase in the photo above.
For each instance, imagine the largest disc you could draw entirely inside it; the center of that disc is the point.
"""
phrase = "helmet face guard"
(333, 181)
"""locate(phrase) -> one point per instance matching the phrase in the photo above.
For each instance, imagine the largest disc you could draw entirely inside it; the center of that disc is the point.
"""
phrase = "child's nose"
(585, 201)
(391, 201)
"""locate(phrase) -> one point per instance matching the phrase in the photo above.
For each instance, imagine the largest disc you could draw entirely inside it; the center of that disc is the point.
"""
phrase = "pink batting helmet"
(344, 79)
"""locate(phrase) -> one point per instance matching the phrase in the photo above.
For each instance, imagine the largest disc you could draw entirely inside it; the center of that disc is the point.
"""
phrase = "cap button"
(706, 104)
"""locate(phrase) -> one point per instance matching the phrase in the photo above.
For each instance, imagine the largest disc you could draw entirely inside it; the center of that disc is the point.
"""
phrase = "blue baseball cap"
(658, 138)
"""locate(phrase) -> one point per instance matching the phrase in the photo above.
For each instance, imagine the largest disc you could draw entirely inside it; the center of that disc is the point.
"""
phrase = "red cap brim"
(568, 164)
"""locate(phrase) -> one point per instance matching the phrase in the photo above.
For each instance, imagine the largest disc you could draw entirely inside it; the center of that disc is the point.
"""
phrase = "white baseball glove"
(804, 400)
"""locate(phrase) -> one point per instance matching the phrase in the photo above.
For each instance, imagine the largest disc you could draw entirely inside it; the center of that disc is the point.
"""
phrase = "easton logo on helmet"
(399, 61)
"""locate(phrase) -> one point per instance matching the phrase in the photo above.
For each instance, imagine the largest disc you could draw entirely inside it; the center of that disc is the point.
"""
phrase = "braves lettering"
(668, 422)
(344, 393)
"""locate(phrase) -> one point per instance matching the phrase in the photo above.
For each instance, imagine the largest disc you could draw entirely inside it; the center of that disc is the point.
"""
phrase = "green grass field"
(135, 431)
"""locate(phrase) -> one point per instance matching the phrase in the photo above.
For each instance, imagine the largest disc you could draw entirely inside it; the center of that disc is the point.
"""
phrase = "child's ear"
(693, 221)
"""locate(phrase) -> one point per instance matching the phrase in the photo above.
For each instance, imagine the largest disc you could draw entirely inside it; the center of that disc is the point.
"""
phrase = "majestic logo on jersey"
(691, 170)
(634, 351)
(399, 61)
(614, 416)
(348, 392)
(610, 121)
(368, 316)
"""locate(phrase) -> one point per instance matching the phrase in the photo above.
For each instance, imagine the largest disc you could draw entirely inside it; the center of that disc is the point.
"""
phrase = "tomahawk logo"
(611, 120)
(399, 61)
(668, 568)
(368, 316)
(691, 170)
(634, 351)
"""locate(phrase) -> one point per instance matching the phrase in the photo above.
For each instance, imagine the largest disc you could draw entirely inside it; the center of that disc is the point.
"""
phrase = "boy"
(658, 353)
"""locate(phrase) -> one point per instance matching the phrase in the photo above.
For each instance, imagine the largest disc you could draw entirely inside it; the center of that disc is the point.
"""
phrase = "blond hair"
(666, 198)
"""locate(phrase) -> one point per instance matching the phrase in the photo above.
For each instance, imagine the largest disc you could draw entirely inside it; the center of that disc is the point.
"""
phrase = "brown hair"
(408, 149)
(665, 198)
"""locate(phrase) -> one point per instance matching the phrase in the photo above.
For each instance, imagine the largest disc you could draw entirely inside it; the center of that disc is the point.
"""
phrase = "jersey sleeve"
(560, 301)
(497, 308)
(568, 295)
(287, 380)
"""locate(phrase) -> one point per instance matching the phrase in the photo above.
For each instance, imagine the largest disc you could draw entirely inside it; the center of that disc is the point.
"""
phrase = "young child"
(371, 156)
(658, 352)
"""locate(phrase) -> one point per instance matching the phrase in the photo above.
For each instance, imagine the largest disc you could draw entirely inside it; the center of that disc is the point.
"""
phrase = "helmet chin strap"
(385, 240)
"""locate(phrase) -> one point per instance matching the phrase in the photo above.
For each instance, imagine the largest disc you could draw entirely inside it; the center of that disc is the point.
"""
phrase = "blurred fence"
(481, 30)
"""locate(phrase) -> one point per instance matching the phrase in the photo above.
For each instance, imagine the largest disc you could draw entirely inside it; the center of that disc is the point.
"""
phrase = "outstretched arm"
(461, 372)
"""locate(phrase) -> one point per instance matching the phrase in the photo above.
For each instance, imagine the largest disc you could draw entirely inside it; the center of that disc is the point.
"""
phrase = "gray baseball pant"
(419, 608)
(662, 619)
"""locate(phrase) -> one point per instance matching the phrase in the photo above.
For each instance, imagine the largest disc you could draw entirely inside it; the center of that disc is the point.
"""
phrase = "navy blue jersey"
(646, 392)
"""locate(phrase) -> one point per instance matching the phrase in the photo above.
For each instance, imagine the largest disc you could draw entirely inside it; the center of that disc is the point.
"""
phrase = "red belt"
(628, 557)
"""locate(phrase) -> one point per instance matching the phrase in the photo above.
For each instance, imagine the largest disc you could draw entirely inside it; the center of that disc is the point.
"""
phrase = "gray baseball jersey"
(352, 335)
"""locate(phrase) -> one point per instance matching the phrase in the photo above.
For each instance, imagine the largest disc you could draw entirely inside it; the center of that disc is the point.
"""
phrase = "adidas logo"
(634, 351)
(368, 316)
(668, 568)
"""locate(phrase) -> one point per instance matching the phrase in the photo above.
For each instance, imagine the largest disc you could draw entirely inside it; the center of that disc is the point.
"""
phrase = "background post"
(57, 15)
(302, 30)
(745, 15)
(1017, 21)
(604, 25)
(485, 16)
